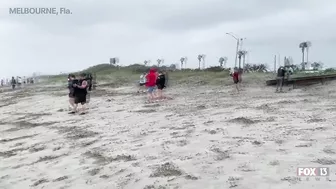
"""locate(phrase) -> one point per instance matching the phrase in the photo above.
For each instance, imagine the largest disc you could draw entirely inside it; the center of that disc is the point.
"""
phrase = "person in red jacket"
(236, 77)
(151, 83)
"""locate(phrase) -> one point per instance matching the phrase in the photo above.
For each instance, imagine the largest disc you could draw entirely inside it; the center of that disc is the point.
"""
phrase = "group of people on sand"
(283, 74)
(16, 82)
(79, 92)
(154, 82)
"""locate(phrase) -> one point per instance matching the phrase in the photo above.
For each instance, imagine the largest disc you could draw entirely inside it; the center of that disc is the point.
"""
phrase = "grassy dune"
(130, 75)
(118, 76)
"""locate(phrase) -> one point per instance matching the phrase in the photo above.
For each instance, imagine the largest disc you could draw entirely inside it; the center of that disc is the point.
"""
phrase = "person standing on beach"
(19, 81)
(289, 72)
(13, 82)
(166, 79)
(71, 81)
(151, 83)
(89, 88)
(80, 93)
(160, 83)
(142, 81)
(280, 78)
(235, 77)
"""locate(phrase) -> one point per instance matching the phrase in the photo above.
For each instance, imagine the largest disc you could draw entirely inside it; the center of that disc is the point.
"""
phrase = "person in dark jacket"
(161, 84)
(280, 78)
(13, 83)
(80, 93)
(89, 79)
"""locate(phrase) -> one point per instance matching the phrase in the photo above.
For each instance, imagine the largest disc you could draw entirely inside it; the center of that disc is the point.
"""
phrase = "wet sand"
(206, 138)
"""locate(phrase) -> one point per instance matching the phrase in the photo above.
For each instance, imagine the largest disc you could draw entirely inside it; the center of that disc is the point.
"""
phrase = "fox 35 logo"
(313, 171)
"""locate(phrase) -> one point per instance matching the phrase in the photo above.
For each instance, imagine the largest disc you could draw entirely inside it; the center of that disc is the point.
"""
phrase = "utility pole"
(275, 61)
(203, 63)
(241, 44)
(279, 62)
(244, 59)
(237, 47)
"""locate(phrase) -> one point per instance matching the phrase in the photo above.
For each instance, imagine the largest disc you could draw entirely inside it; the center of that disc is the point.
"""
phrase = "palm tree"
(182, 59)
(112, 61)
(225, 60)
(244, 55)
(241, 54)
(199, 57)
(303, 65)
(304, 46)
(308, 45)
(203, 59)
(248, 68)
(146, 62)
(317, 65)
(221, 61)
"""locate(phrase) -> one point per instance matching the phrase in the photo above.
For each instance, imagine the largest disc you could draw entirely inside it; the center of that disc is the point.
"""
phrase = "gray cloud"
(150, 29)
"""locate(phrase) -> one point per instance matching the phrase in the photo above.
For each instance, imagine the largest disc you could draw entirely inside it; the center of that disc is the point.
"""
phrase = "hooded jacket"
(161, 80)
(151, 78)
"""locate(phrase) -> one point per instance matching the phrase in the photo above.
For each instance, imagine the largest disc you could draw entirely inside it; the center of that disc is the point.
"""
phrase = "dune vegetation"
(128, 75)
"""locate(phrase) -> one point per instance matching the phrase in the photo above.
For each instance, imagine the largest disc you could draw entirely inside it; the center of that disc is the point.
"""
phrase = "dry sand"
(205, 138)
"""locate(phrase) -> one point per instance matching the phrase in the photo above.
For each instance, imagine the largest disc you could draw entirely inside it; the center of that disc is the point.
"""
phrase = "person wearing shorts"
(80, 93)
(151, 83)
(160, 83)
(235, 77)
(142, 82)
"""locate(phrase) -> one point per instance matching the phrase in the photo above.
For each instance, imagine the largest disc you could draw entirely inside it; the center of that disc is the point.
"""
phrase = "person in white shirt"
(142, 82)
(19, 81)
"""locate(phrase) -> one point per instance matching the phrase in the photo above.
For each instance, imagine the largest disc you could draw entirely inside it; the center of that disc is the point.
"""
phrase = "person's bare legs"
(149, 94)
(75, 109)
(159, 94)
(72, 103)
(154, 94)
(88, 99)
(139, 89)
(279, 84)
(237, 87)
(150, 97)
(83, 108)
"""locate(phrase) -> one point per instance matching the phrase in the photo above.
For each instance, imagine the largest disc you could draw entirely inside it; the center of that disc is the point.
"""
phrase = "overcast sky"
(136, 30)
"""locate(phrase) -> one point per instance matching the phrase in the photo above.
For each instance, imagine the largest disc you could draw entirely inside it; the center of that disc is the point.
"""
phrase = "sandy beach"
(204, 138)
